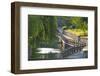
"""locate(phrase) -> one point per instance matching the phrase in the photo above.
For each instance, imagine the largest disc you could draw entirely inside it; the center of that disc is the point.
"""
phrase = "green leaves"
(75, 23)
(41, 29)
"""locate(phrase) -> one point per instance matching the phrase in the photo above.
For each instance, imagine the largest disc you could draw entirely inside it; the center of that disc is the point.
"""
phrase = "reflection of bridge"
(70, 43)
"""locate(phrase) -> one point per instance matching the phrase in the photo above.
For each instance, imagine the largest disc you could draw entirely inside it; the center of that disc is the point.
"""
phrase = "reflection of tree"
(51, 55)
(35, 54)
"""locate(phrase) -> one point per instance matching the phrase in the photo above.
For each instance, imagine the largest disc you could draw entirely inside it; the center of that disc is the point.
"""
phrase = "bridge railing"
(71, 50)
(77, 42)
(72, 42)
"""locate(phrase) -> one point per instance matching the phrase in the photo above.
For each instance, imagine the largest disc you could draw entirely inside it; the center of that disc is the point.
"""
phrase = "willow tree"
(41, 31)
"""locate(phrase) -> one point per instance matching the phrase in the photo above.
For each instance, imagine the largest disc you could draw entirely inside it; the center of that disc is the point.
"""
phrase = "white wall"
(5, 42)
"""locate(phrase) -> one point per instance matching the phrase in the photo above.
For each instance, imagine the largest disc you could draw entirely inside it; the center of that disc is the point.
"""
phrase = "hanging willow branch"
(41, 29)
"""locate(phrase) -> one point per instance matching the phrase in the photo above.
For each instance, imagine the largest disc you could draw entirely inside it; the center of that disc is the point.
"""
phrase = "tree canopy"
(41, 29)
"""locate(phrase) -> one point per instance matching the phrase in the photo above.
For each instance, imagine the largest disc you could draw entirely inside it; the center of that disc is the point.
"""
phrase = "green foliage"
(41, 28)
(41, 31)
(75, 23)
(78, 32)
(79, 22)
